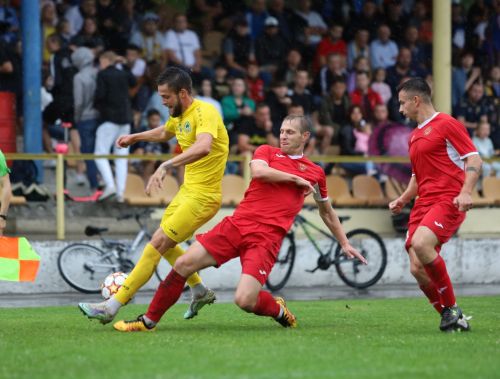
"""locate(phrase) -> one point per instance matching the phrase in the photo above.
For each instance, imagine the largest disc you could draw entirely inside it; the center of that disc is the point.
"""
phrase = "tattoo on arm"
(472, 168)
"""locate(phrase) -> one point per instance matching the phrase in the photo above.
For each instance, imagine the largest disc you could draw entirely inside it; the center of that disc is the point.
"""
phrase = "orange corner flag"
(18, 261)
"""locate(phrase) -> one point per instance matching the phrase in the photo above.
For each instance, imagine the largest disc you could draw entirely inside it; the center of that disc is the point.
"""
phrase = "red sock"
(432, 294)
(166, 295)
(439, 276)
(266, 305)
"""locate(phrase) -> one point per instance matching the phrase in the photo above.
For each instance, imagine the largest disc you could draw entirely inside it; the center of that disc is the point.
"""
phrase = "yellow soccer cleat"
(287, 320)
(132, 326)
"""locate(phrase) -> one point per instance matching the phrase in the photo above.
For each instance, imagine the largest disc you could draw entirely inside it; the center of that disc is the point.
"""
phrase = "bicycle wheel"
(284, 264)
(84, 267)
(352, 271)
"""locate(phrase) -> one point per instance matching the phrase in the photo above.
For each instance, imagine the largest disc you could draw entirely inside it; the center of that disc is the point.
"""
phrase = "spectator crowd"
(337, 61)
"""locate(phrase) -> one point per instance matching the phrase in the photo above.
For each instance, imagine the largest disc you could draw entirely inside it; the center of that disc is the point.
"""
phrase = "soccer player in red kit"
(281, 178)
(445, 167)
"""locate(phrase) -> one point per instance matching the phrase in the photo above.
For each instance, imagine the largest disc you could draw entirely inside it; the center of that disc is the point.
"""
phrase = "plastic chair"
(491, 188)
(170, 189)
(368, 188)
(338, 190)
(135, 195)
(233, 189)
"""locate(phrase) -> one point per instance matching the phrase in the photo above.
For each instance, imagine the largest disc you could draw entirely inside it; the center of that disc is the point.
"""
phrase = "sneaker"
(99, 311)
(80, 179)
(137, 325)
(287, 320)
(107, 194)
(199, 302)
(449, 317)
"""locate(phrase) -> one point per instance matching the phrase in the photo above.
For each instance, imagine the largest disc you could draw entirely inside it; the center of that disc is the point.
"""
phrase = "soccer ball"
(112, 284)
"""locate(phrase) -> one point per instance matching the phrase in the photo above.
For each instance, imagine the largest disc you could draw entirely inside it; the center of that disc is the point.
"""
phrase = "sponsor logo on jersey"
(262, 272)
(173, 231)
(280, 155)
(428, 131)
(439, 224)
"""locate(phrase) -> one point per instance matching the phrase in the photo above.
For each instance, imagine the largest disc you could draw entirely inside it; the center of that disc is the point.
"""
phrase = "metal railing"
(60, 158)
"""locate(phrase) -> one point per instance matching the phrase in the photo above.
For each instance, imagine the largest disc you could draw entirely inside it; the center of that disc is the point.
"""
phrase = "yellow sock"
(140, 275)
(171, 256)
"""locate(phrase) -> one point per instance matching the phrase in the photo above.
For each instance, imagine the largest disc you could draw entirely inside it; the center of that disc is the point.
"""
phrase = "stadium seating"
(491, 189)
(338, 190)
(481, 201)
(170, 189)
(233, 189)
(393, 188)
(135, 195)
(367, 188)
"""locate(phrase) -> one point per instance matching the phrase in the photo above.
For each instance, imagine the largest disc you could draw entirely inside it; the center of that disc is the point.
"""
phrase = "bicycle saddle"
(92, 230)
(344, 218)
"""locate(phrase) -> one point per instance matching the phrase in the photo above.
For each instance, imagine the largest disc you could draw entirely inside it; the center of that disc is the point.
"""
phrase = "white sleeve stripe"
(323, 199)
(259, 160)
(468, 155)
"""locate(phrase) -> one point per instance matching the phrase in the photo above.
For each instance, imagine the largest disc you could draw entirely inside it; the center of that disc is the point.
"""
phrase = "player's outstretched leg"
(287, 319)
(452, 319)
(98, 311)
(200, 294)
(141, 324)
(198, 302)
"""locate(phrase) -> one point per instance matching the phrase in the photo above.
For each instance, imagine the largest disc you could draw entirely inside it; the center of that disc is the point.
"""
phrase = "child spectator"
(380, 86)
(485, 149)
(254, 83)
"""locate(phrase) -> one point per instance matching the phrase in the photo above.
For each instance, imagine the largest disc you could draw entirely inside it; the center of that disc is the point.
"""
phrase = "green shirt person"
(6, 192)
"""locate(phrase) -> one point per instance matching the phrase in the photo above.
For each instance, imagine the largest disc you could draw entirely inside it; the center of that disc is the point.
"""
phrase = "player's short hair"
(416, 86)
(109, 55)
(176, 78)
(304, 122)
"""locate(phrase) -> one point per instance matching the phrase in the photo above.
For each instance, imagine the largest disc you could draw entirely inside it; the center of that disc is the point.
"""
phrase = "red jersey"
(437, 149)
(277, 204)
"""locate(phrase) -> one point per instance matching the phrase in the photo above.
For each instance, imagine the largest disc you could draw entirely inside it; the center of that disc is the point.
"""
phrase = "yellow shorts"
(187, 212)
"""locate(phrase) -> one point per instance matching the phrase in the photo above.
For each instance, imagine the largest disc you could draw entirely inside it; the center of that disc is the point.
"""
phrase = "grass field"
(397, 338)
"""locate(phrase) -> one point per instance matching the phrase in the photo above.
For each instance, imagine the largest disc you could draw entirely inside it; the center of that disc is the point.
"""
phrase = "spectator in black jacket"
(113, 102)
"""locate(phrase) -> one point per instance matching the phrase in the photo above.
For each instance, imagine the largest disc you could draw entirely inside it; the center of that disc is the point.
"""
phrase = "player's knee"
(418, 244)
(245, 301)
(183, 265)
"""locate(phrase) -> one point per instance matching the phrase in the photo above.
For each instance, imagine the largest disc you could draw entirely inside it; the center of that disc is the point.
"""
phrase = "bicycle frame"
(304, 224)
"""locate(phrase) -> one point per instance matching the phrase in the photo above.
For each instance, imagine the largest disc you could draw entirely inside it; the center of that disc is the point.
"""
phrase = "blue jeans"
(87, 130)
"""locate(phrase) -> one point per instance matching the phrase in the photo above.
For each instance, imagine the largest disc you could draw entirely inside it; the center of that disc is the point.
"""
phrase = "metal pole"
(60, 197)
(441, 55)
(32, 79)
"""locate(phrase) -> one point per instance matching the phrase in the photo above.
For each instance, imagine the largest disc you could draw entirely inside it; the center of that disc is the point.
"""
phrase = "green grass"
(397, 338)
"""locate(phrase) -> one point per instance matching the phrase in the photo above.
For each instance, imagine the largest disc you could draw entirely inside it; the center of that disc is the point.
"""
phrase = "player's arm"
(411, 191)
(331, 220)
(472, 171)
(260, 170)
(199, 149)
(158, 134)
(5, 199)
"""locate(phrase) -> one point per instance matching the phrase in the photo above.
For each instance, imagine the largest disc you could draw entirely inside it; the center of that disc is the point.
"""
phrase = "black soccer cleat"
(449, 317)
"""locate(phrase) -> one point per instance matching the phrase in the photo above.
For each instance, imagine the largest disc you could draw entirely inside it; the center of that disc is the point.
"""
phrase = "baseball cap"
(271, 21)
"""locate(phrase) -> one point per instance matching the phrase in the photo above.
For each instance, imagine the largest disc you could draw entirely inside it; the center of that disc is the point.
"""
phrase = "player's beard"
(177, 110)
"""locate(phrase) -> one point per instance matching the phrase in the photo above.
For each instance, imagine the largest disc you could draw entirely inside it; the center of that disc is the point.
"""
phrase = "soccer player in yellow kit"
(201, 133)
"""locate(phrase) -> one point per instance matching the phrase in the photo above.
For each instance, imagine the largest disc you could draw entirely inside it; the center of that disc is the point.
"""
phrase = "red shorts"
(442, 218)
(256, 244)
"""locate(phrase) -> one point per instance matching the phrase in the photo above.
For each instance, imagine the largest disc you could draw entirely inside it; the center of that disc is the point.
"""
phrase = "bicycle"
(84, 266)
(351, 271)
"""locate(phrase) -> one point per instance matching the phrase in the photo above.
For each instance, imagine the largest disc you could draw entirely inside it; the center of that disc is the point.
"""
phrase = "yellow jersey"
(206, 173)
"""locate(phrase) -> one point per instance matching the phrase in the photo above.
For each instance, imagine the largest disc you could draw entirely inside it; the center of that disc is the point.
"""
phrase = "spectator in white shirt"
(383, 50)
